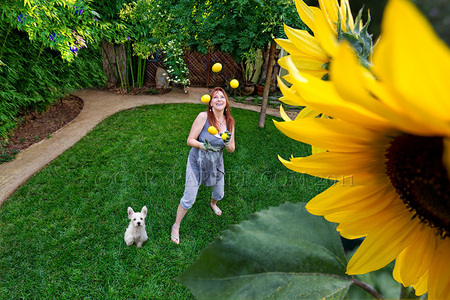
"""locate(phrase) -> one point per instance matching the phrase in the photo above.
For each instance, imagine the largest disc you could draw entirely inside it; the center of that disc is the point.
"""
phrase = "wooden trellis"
(152, 66)
(199, 66)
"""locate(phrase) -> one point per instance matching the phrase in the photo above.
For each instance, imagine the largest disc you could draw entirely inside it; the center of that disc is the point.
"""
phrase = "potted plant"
(248, 64)
(260, 89)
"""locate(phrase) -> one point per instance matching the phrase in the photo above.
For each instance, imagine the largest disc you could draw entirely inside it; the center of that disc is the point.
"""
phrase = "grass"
(61, 234)
(273, 101)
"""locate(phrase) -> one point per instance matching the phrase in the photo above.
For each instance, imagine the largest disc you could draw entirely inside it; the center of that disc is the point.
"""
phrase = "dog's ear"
(144, 211)
(130, 212)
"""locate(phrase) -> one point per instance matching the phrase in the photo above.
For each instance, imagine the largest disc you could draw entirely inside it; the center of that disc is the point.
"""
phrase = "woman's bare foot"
(215, 209)
(175, 234)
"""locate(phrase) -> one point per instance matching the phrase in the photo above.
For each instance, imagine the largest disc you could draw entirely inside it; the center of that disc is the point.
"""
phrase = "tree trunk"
(275, 71)
(114, 60)
(262, 115)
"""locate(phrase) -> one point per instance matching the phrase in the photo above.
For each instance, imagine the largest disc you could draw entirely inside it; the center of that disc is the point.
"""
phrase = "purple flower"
(74, 50)
(52, 37)
(128, 38)
(20, 18)
(79, 10)
(95, 19)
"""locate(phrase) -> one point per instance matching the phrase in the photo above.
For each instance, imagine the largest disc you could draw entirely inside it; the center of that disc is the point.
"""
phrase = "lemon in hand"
(224, 136)
(205, 98)
(234, 83)
(212, 130)
(217, 67)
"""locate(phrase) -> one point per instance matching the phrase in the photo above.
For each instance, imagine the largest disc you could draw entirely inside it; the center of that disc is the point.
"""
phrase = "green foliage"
(62, 25)
(238, 27)
(155, 25)
(283, 252)
(108, 9)
(37, 63)
(32, 80)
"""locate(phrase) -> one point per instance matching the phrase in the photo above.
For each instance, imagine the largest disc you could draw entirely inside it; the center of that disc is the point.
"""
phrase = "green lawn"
(61, 234)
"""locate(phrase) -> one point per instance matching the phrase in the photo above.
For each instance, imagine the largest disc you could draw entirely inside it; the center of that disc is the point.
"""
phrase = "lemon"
(212, 130)
(217, 67)
(205, 98)
(224, 136)
(234, 83)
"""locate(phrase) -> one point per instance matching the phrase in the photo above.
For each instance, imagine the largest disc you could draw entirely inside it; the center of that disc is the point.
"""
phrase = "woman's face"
(218, 101)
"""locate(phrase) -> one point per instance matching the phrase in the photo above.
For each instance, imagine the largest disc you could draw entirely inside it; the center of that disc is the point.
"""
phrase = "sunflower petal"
(346, 16)
(381, 246)
(321, 96)
(326, 36)
(284, 115)
(290, 96)
(355, 86)
(303, 63)
(422, 285)
(287, 45)
(308, 63)
(328, 134)
(309, 44)
(367, 199)
(352, 228)
(408, 51)
(315, 150)
(332, 165)
(307, 113)
(330, 10)
(415, 260)
(306, 13)
(439, 279)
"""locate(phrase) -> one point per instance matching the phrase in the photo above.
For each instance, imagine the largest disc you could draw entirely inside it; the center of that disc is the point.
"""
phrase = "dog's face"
(137, 218)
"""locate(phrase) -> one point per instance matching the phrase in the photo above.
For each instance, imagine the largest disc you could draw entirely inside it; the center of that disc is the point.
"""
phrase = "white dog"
(135, 232)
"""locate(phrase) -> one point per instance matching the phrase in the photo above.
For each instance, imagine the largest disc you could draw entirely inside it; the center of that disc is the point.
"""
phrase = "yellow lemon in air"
(224, 136)
(205, 98)
(217, 67)
(234, 83)
(212, 130)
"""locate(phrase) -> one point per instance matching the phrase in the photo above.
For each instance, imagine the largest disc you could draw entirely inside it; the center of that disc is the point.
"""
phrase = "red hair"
(228, 118)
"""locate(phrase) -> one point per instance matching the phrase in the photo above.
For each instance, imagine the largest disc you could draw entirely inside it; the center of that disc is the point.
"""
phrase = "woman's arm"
(231, 146)
(196, 129)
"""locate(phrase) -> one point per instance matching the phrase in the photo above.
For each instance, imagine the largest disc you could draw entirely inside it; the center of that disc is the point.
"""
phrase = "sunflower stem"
(368, 288)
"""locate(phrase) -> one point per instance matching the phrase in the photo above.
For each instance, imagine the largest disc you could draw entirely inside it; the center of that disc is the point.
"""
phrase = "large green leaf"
(283, 252)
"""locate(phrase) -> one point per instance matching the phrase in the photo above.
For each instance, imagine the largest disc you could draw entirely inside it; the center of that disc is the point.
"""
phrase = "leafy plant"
(174, 60)
(283, 252)
(62, 25)
(41, 56)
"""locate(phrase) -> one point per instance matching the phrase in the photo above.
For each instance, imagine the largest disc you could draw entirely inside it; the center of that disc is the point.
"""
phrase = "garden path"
(98, 105)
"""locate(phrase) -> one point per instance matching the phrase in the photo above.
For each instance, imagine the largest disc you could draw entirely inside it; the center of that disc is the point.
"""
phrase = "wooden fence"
(199, 66)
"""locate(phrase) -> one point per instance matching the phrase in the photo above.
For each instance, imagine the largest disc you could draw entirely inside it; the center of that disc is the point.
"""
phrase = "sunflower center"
(415, 168)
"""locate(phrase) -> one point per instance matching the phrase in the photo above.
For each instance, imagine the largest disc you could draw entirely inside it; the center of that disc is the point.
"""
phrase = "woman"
(205, 161)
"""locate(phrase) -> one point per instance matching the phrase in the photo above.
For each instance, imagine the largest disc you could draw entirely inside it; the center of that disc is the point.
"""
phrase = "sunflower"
(329, 24)
(388, 148)
(312, 54)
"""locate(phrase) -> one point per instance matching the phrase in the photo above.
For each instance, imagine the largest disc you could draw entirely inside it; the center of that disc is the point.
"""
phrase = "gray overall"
(205, 167)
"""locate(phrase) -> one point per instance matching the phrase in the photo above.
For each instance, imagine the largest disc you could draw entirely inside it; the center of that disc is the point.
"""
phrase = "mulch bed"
(36, 127)
(39, 126)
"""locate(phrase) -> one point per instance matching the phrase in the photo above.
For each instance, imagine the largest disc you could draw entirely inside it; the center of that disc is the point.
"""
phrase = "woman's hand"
(228, 139)
(207, 146)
